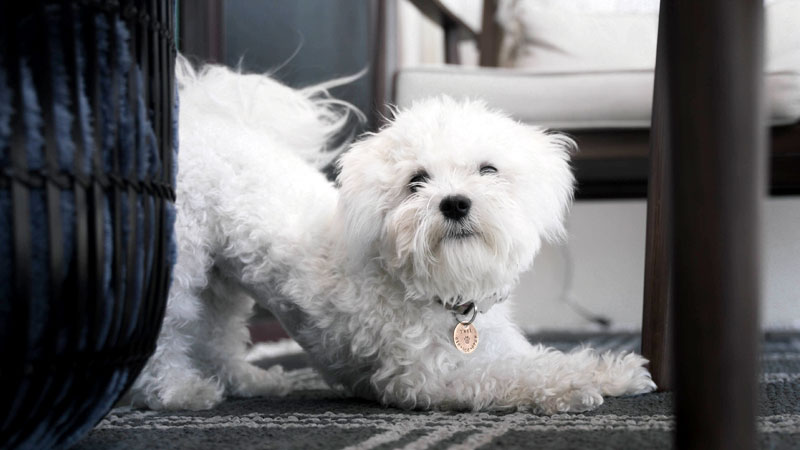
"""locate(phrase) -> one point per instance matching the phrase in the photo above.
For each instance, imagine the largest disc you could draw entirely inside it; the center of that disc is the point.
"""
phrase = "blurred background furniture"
(587, 68)
(597, 90)
(87, 142)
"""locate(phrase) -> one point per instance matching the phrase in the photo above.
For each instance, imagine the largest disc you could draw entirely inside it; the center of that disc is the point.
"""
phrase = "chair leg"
(717, 137)
(656, 330)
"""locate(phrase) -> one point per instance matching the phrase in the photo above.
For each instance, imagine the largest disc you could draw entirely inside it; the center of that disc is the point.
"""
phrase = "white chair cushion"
(592, 35)
(577, 35)
(572, 100)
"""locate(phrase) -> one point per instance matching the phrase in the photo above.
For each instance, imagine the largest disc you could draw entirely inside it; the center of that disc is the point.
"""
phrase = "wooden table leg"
(656, 330)
(714, 67)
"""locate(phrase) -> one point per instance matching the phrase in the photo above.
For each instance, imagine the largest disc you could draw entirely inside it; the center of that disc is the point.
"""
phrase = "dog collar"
(460, 310)
(465, 335)
(481, 306)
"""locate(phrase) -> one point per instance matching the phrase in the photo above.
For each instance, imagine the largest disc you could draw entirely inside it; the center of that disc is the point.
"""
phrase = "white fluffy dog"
(436, 216)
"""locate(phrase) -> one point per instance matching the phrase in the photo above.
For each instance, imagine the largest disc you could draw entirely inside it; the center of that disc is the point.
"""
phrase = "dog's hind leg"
(172, 378)
(222, 342)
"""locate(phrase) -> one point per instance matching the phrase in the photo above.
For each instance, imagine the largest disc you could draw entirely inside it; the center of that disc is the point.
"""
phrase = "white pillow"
(613, 35)
(782, 19)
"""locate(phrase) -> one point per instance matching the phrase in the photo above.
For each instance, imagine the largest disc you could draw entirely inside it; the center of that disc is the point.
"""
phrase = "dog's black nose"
(455, 206)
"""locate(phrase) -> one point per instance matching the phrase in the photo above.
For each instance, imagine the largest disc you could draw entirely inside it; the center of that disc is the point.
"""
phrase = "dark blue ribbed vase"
(87, 173)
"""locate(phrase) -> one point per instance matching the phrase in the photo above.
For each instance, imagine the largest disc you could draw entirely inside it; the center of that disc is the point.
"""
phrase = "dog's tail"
(314, 124)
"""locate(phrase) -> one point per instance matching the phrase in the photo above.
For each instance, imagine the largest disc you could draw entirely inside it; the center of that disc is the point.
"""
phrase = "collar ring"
(472, 308)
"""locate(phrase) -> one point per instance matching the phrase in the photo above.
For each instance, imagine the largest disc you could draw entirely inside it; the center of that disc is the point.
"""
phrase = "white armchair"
(586, 67)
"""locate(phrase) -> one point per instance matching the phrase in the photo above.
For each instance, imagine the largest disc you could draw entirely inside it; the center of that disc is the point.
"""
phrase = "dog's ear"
(552, 182)
(364, 174)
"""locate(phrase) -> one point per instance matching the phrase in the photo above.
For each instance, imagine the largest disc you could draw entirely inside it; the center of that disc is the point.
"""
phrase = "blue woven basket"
(87, 150)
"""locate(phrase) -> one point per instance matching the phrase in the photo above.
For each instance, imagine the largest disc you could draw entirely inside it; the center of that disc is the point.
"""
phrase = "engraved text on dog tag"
(465, 336)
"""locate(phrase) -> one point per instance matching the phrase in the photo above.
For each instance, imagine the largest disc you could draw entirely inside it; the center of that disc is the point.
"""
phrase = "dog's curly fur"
(362, 276)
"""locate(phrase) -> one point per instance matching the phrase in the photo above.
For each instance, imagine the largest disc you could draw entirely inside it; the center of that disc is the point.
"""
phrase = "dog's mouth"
(462, 233)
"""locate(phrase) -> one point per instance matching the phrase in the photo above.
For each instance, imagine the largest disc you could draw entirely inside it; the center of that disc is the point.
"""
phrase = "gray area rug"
(317, 418)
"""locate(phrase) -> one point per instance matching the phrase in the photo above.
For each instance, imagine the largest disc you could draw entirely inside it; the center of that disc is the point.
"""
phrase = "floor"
(315, 417)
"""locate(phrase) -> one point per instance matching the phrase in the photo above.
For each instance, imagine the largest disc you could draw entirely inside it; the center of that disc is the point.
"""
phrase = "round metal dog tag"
(465, 336)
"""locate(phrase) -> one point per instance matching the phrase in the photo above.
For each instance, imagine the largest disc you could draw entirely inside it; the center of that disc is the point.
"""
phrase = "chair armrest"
(455, 29)
(436, 11)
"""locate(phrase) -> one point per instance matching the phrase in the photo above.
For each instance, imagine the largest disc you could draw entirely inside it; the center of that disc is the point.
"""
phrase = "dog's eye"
(417, 181)
(487, 169)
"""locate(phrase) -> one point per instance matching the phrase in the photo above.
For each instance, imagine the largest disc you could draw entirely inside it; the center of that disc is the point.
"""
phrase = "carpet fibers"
(314, 417)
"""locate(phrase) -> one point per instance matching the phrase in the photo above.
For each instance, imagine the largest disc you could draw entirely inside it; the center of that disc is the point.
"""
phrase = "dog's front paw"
(192, 393)
(573, 400)
(624, 374)
(641, 382)
(251, 381)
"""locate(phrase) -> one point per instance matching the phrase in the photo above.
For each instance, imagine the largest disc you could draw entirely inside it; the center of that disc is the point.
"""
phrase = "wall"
(289, 40)
(606, 250)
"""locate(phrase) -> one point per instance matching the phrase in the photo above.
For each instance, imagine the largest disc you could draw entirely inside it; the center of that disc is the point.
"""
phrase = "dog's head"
(454, 199)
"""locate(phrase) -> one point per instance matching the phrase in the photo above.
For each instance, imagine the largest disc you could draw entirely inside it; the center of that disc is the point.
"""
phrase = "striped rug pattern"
(314, 417)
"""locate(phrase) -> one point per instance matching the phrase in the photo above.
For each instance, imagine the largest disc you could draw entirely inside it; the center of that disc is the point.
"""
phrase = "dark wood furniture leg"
(656, 330)
(716, 138)
(202, 30)
(491, 37)
(384, 54)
